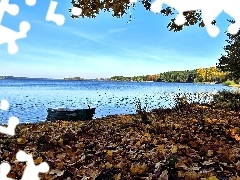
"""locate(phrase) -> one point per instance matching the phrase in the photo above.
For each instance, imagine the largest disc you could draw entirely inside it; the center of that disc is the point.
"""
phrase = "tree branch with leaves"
(91, 8)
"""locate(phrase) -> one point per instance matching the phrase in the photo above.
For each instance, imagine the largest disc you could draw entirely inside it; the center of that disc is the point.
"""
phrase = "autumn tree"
(91, 8)
(230, 62)
(211, 74)
(200, 74)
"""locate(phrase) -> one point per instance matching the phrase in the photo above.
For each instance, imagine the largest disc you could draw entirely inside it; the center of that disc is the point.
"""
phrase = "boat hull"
(70, 115)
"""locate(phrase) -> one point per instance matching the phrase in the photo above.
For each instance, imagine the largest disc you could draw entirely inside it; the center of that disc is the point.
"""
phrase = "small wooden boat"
(70, 114)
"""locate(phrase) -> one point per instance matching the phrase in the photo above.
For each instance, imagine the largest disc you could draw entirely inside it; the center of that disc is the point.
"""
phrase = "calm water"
(29, 99)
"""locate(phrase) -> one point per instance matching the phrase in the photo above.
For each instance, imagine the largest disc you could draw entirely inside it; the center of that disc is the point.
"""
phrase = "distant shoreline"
(72, 79)
(97, 79)
(21, 78)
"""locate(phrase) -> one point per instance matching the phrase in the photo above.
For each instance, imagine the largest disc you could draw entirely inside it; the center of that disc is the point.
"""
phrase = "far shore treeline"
(200, 75)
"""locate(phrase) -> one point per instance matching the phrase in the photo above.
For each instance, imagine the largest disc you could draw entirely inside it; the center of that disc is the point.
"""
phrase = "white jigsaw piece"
(12, 121)
(4, 105)
(59, 19)
(31, 171)
(210, 10)
(8, 35)
(133, 1)
(4, 170)
(76, 11)
(232, 8)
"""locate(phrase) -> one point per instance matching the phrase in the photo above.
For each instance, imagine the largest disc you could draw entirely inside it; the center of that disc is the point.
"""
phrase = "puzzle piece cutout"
(133, 1)
(31, 171)
(8, 35)
(30, 2)
(210, 10)
(59, 19)
(12, 121)
(4, 105)
(76, 11)
(4, 170)
(231, 7)
(12, 9)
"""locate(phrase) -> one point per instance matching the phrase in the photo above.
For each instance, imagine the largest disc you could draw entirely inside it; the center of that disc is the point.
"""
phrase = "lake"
(30, 98)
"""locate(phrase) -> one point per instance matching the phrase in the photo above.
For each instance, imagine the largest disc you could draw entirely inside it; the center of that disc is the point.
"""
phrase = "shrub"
(228, 83)
(181, 102)
(142, 112)
(227, 99)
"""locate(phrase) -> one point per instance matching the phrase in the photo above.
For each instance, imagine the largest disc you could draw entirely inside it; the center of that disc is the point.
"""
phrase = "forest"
(211, 74)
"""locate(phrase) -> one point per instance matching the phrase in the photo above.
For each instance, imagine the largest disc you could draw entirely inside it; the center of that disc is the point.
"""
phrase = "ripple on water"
(29, 101)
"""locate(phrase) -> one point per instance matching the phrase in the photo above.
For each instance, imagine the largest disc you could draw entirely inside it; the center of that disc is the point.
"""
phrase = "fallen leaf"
(174, 148)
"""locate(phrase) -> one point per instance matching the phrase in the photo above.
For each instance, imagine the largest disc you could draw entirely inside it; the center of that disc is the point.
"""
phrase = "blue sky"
(106, 46)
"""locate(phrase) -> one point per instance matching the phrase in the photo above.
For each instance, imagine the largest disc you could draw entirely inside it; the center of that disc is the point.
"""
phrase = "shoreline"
(126, 147)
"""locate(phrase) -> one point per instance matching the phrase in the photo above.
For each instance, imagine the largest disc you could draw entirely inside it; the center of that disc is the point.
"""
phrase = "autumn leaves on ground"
(187, 142)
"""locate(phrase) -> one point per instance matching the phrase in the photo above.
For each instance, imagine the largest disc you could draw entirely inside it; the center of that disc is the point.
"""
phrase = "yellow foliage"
(209, 74)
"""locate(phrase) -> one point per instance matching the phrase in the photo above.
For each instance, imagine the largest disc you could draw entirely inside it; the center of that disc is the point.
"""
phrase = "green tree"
(230, 62)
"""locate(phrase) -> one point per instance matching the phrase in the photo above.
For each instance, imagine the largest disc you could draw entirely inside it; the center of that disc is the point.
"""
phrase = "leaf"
(213, 178)
(138, 143)
(237, 165)
(138, 168)
(108, 165)
(210, 153)
(193, 144)
(117, 176)
(80, 145)
(21, 140)
(57, 172)
(180, 164)
(234, 178)
(39, 160)
(192, 174)
(174, 148)
(60, 141)
(164, 175)
(160, 148)
(109, 153)
(208, 162)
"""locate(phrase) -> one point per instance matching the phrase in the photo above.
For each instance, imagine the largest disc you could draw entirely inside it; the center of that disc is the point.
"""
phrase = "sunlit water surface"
(29, 99)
